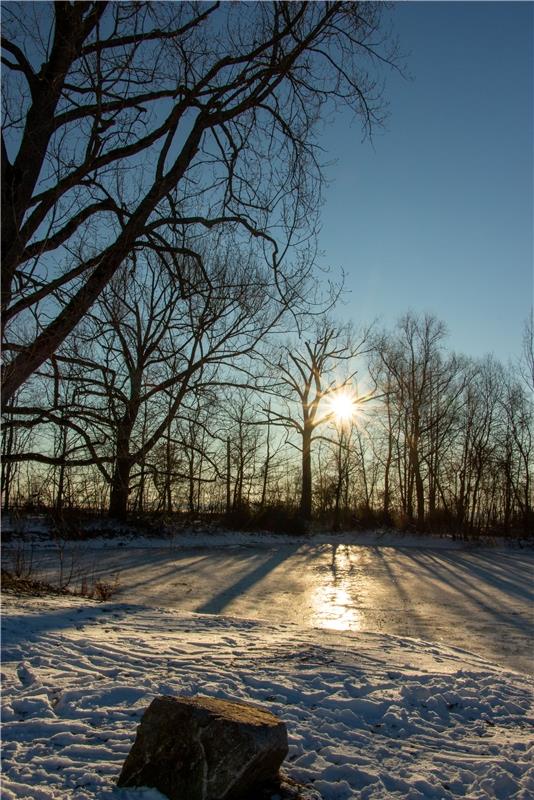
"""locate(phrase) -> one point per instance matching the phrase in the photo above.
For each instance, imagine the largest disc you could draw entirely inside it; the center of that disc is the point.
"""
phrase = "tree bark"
(306, 494)
(120, 489)
(228, 477)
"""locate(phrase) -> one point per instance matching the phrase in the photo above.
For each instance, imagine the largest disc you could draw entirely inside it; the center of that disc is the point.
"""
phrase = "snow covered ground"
(369, 715)
(477, 598)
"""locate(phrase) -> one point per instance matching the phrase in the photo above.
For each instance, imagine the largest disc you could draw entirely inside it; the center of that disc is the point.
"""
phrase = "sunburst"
(342, 405)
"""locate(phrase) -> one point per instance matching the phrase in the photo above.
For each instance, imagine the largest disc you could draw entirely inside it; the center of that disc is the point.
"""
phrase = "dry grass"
(91, 589)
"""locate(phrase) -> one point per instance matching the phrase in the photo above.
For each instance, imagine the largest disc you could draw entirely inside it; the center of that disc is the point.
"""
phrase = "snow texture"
(369, 715)
(476, 598)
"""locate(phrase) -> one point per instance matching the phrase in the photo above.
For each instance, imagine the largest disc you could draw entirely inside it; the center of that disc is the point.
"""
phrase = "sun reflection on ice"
(334, 609)
(331, 601)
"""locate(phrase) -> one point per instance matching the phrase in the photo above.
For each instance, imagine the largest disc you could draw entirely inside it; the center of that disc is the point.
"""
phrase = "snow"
(479, 599)
(369, 715)
(377, 703)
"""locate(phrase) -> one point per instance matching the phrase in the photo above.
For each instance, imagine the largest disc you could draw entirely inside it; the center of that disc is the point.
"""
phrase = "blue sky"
(437, 213)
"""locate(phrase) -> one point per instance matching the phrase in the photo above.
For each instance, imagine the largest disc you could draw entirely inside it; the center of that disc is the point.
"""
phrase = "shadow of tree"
(221, 600)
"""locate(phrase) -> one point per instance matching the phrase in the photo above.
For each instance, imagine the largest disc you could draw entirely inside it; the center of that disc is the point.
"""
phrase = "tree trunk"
(416, 471)
(420, 497)
(306, 494)
(267, 462)
(339, 484)
(61, 478)
(191, 482)
(198, 502)
(60, 490)
(140, 505)
(228, 477)
(8, 467)
(387, 468)
(120, 488)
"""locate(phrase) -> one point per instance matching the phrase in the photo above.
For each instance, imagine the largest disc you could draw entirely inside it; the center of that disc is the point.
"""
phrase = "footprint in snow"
(25, 675)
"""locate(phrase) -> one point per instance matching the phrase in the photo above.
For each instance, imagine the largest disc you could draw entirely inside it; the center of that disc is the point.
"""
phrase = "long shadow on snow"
(135, 576)
(133, 570)
(442, 569)
(217, 603)
(491, 572)
(405, 596)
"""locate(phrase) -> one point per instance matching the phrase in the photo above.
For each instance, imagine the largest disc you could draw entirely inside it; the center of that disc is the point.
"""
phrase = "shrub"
(443, 522)
(366, 518)
(104, 590)
(402, 522)
(238, 519)
(65, 525)
(93, 590)
(279, 519)
(98, 589)
(276, 519)
(22, 559)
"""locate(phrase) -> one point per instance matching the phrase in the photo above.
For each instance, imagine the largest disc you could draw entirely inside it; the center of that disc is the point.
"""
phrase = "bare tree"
(517, 448)
(243, 446)
(16, 439)
(151, 345)
(474, 456)
(527, 363)
(186, 460)
(130, 126)
(308, 376)
(342, 460)
(421, 388)
(271, 458)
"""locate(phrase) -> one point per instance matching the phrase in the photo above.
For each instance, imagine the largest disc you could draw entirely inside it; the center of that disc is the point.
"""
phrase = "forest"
(169, 404)
(170, 343)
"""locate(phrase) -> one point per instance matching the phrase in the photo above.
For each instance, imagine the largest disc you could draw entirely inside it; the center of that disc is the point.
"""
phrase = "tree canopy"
(140, 126)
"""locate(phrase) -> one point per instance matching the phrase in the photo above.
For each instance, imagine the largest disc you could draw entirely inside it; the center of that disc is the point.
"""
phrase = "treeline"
(161, 196)
(177, 398)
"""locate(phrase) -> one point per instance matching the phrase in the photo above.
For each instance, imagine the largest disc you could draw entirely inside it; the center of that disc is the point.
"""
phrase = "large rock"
(202, 748)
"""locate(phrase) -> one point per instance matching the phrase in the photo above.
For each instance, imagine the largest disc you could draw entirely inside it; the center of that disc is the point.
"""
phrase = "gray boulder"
(202, 748)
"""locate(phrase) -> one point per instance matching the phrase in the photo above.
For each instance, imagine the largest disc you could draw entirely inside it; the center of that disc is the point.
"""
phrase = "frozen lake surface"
(480, 600)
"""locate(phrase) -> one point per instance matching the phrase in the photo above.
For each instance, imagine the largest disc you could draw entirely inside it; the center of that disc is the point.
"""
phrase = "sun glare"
(342, 405)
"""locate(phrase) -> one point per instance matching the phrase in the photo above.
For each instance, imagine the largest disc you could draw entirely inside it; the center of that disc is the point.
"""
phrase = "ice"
(370, 715)
(426, 588)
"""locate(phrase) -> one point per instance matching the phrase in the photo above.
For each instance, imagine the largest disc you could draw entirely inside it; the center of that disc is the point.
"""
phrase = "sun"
(342, 405)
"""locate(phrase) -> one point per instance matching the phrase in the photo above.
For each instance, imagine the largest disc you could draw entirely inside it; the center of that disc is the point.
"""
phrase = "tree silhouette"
(307, 376)
(131, 126)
